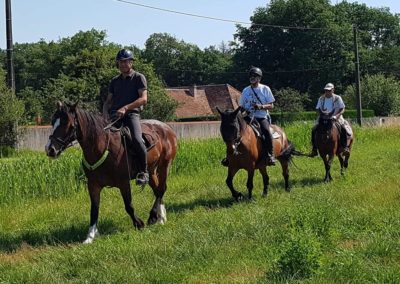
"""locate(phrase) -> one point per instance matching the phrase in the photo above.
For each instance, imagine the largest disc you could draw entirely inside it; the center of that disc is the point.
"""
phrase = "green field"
(347, 231)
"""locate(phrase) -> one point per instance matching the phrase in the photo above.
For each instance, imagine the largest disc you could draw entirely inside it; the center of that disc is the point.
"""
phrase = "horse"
(327, 139)
(244, 150)
(107, 159)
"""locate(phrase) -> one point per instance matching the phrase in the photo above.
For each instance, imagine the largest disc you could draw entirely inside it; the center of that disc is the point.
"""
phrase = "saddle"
(257, 130)
(149, 136)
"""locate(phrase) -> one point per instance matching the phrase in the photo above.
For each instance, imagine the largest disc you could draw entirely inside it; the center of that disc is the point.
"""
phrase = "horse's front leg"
(125, 190)
(94, 193)
(158, 183)
(327, 163)
(249, 183)
(340, 157)
(265, 177)
(229, 182)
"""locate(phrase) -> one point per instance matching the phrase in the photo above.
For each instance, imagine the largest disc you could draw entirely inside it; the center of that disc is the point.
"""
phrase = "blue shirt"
(249, 99)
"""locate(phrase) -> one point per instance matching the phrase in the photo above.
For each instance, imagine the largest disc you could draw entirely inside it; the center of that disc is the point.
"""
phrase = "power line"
(219, 19)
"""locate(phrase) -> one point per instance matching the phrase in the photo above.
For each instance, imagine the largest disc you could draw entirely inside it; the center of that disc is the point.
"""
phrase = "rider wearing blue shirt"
(257, 99)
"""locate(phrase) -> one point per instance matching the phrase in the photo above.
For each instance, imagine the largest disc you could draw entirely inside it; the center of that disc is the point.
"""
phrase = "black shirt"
(126, 90)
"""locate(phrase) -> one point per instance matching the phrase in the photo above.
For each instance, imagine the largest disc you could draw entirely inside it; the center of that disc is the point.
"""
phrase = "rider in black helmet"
(257, 99)
(127, 95)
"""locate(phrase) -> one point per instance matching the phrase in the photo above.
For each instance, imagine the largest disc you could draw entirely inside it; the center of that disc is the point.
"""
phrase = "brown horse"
(327, 139)
(106, 161)
(244, 151)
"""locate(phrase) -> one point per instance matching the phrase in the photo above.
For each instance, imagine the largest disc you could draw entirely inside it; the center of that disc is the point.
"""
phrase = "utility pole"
(10, 63)
(357, 77)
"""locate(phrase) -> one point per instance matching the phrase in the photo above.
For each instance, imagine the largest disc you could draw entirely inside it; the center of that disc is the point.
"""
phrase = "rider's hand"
(121, 112)
(334, 117)
(258, 106)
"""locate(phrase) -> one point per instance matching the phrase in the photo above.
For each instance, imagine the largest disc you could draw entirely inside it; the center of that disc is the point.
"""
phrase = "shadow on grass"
(212, 204)
(62, 235)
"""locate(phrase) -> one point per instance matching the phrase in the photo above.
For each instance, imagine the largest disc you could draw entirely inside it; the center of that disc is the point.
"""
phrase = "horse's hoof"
(239, 197)
(139, 224)
(288, 189)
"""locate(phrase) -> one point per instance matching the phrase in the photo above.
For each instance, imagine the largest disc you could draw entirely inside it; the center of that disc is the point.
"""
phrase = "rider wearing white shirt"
(257, 99)
(330, 103)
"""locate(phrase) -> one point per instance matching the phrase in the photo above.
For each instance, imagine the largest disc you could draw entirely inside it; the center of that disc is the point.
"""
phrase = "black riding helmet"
(255, 71)
(124, 54)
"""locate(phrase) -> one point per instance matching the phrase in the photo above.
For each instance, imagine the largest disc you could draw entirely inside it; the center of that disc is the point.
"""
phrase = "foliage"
(379, 93)
(306, 59)
(291, 100)
(11, 110)
(181, 64)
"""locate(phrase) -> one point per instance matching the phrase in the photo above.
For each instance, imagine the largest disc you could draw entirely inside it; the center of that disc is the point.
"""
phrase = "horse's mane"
(242, 122)
(91, 125)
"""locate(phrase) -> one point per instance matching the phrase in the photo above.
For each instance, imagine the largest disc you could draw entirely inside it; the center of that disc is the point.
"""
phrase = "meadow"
(346, 231)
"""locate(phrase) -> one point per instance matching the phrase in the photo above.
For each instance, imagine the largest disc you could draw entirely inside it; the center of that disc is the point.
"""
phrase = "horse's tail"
(290, 151)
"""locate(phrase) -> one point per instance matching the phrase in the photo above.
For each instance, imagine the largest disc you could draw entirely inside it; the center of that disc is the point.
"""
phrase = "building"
(200, 101)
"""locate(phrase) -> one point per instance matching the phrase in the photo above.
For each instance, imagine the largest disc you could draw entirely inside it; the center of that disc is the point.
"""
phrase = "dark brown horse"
(244, 151)
(327, 139)
(106, 162)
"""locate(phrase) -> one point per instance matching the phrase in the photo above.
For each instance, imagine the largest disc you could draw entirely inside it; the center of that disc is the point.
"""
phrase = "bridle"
(69, 140)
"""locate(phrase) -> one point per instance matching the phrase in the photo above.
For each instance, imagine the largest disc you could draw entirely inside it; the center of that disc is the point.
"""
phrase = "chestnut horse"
(244, 151)
(327, 139)
(106, 161)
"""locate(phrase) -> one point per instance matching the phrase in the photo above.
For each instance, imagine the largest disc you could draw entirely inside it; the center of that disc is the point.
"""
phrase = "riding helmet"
(124, 54)
(255, 71)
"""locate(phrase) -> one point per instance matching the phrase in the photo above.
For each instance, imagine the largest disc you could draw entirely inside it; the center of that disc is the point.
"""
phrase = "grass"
(344, 231)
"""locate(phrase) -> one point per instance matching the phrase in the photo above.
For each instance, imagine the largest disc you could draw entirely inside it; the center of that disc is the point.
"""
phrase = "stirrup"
(142, 178)
(346, 150)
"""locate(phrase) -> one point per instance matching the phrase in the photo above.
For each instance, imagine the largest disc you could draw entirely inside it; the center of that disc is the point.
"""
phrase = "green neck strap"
(97, 164)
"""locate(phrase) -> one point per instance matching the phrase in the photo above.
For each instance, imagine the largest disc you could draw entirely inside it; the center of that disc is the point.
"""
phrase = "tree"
(180, 64)
(306, 59)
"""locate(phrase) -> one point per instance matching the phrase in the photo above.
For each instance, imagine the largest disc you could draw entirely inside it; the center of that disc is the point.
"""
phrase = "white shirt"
(249, 99)
(329, 104)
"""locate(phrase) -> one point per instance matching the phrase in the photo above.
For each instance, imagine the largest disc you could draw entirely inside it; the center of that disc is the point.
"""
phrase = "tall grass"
(347, 231)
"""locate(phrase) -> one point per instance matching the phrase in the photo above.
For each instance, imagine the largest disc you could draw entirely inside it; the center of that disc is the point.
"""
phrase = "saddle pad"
(348, 129)
(275, 135)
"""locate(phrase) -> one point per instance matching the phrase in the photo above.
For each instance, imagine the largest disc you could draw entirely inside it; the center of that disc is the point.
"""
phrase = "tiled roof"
(203, 100)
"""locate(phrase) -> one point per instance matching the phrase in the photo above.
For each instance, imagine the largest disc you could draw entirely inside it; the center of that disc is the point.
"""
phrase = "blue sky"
(128, 24)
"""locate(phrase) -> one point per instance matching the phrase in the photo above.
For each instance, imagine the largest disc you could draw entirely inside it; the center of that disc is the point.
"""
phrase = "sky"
(128, 24)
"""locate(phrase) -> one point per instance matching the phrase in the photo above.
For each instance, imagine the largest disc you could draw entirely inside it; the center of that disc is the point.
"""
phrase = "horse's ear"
(59, 105)
(220, 112)
(235, 112)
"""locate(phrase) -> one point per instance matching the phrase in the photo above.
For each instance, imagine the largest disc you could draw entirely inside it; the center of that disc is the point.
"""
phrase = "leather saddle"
(257, 129)
(149, 136)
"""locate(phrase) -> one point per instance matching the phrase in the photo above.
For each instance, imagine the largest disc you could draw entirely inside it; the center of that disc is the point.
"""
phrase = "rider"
(257, 99)
(329, 102)
(127, 94)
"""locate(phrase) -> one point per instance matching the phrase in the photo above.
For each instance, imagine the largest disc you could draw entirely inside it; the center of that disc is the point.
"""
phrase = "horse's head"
(325, 120)
(230, 126)
(63, 134)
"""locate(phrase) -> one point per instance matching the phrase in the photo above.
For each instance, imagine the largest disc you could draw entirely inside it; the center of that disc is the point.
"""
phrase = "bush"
(11, 110)
(379, 93)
